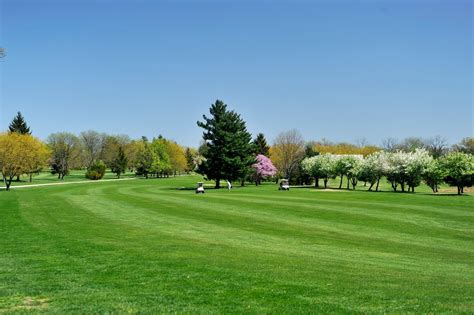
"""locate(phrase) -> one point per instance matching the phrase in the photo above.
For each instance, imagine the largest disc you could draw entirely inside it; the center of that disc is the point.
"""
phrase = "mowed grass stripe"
(311, 218)
(195, 257)
(255, 226)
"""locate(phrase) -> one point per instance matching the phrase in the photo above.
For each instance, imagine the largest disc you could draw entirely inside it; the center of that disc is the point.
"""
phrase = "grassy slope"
(143, 246)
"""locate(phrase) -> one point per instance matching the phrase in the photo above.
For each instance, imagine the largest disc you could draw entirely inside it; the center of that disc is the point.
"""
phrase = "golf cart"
(200, 188)
(284, 185)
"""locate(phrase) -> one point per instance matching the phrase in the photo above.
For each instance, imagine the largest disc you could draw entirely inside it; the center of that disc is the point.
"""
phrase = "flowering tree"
(320, 166)
(263, 168)
(373, 168)
(434, 175)
(459, 169)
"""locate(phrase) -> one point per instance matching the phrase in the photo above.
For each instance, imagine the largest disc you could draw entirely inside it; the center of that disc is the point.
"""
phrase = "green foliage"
(19, 125)
(229, 151)
(261, 146)
(459, 169)
(119, 164)
(96, 171)
(145, 157)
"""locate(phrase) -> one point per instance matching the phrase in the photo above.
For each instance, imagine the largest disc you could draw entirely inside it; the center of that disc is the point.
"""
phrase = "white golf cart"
(284, 185)
(200, 188)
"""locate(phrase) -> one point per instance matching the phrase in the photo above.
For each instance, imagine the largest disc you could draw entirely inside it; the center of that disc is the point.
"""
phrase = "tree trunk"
(218, 183)
(325, 183)
(316, 182)
(242, 183)
(402, 186)
(348, 183)
(31, 177)
(459, 190)
(340, 183)
(59, 175)
(8, 182)
(377, 187)
(365, 184)
(371, 185)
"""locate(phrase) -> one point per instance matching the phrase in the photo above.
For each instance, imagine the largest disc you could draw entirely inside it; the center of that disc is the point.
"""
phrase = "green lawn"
(146, 246)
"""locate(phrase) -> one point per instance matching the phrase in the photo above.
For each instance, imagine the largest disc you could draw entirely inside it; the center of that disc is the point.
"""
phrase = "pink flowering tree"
(263, 168)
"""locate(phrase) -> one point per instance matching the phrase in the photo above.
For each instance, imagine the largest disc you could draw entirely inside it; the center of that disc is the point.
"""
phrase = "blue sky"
(339, 70)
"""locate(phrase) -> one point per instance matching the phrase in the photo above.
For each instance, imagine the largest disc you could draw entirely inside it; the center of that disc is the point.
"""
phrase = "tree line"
(23, 154)
(228, 152)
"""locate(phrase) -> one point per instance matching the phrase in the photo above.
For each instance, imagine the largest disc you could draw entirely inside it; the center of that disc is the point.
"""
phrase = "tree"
(320, 167)
(342, 167)
(433, 175)
(189, 155)
(96, 171)
(93, 146)
(261, 146)
(287, 152)
(466, 145)
(373, 169)
(263, 168)
(19, 154)
(459, 170)
(177, 157)
(229, 151)
(119, 164)
(65, 152)
(437, 146)
(410, 144)
(161, 164)
(390, 144)
(19, 125)
(144, 159)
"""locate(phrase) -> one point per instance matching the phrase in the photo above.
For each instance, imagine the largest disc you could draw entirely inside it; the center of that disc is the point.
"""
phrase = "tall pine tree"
(230, 152)
(19, 125)
(261, 146)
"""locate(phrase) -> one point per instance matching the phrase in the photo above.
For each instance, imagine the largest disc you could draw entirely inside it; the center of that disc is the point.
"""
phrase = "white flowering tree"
(320, 167)
(373, 168)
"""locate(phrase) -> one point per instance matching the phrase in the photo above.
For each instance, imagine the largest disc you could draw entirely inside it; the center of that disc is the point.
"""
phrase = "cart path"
(67, 183)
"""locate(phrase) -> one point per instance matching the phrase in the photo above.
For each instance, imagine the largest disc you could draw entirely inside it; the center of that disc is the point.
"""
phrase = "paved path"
(67, 183)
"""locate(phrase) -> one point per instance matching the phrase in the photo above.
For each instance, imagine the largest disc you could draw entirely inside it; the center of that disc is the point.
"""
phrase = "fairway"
(150, 246)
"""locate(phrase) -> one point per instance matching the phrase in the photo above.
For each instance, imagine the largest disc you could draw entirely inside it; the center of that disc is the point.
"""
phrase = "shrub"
(96, 171)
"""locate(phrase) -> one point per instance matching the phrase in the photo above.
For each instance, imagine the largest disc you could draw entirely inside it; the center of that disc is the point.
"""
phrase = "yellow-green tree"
(20, 154)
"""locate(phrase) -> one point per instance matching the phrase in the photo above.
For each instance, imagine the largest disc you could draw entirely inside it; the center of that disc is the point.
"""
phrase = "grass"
(74, 176)
(144, 246)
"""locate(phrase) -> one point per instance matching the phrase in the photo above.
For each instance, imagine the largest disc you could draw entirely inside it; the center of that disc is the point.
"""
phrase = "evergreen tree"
(19, 125)
(230, 152)
(119, 164)
(189, 160)
(261, 146)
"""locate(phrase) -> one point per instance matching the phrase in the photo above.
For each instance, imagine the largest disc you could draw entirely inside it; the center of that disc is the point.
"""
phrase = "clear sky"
(340, 70)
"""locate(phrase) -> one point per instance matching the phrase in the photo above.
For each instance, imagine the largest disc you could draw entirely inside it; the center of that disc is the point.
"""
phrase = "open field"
(146, 246)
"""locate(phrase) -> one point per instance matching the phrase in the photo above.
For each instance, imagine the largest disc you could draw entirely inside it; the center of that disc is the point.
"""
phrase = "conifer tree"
(261, 146)
(19, 125)
(230, 152)
(119, 164)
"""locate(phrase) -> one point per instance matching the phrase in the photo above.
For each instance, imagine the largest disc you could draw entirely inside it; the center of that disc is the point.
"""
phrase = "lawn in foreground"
(146, 246)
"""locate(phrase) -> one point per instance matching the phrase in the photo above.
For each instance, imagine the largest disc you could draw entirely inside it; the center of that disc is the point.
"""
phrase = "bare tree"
(390, 144)
(287, 152)
(437, 146)
(66, 149)
(410, 144)
(93, 144)
(361, 142)
(466, 145)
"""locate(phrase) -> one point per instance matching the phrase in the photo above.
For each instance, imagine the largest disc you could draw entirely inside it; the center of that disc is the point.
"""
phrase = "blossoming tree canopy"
(264, 167)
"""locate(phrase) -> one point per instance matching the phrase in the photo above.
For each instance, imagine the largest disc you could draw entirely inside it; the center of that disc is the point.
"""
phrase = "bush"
(96, 171)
